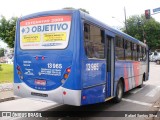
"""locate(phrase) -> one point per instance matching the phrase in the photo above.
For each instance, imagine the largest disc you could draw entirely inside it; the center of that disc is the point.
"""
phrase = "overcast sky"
(103, 10)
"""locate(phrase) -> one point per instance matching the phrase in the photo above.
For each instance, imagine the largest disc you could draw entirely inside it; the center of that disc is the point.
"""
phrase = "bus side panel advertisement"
(49, 32)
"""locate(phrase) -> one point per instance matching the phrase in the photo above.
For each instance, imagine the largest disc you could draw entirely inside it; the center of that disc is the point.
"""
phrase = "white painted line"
(156, 106)
(137, 102)
(136, 90)
(153, 92)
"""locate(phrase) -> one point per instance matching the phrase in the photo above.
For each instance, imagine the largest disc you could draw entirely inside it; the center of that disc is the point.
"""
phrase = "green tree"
(7, 30)
(1, 67)
(1, 52)
(140, 28)
(70, 8)
(84, 10)
(152, 30)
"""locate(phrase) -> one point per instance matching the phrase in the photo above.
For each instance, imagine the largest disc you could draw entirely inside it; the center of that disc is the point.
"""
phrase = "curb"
(7, 99)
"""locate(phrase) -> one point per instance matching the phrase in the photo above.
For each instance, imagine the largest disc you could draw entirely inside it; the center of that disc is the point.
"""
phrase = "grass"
(6, 73)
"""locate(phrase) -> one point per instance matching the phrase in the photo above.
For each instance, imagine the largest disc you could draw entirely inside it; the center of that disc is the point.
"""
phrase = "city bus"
(69, 57)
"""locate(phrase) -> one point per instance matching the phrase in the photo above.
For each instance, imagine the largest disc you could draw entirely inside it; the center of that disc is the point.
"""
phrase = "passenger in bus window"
(89, 50)
(95, 52)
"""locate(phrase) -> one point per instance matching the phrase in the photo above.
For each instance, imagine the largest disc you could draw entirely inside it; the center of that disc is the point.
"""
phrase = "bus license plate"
(40, 82)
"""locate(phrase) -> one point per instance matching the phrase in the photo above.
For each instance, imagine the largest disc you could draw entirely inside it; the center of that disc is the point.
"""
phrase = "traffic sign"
(156, 10)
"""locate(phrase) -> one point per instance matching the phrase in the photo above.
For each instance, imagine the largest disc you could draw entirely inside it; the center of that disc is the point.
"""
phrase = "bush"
(1, 67)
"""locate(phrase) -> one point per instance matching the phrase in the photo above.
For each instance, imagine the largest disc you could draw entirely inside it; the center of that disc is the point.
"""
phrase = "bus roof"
(85, 16)
(45, 13)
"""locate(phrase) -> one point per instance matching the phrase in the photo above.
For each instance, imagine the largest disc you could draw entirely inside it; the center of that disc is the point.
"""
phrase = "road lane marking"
(137, 102)
(136, 90)
(153, 92)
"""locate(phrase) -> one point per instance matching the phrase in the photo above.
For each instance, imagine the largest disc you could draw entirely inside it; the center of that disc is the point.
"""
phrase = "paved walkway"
(6, 91)
(6, 87)
(6, 94)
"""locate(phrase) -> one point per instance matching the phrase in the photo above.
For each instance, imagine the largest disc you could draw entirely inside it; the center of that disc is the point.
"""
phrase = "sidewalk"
(157, 105)
(6, 87)
(6, 92)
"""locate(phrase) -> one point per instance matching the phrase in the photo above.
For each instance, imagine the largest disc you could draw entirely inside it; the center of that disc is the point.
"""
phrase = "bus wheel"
(119, 92)
(141, 85)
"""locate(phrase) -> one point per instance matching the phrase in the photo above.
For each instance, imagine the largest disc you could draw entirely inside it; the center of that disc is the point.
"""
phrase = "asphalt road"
(146, 98)
(142, 99)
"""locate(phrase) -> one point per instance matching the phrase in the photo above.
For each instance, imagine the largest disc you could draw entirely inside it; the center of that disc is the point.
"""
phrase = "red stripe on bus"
(126, 78)
(136, 72)
(45, 20)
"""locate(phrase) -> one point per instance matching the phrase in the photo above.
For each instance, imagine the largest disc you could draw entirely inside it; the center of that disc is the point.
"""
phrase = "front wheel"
(119, 92)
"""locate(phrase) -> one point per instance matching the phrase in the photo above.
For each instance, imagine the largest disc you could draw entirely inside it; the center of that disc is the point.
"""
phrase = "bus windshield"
(47, 32)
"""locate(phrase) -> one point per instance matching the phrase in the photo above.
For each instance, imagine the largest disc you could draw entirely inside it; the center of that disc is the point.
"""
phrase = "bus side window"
(140, 53)
(86, 31)
(119, 48)
(134, 51)
(144, 54)
(87, 43)
(93, 41)
(128, 54)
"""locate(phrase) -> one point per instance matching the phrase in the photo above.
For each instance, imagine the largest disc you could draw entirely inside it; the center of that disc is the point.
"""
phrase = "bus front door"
(110, 65)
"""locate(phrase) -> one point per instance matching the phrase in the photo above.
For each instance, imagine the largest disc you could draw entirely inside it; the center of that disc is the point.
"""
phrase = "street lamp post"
(118, 20)
(125, 20)
(119, 27)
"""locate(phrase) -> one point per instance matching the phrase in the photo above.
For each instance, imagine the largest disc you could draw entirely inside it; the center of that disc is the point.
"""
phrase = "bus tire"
(119, 92)
(141, 85)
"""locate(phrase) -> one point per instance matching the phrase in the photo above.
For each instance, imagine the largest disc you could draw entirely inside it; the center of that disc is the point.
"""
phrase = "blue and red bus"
(69, 57)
